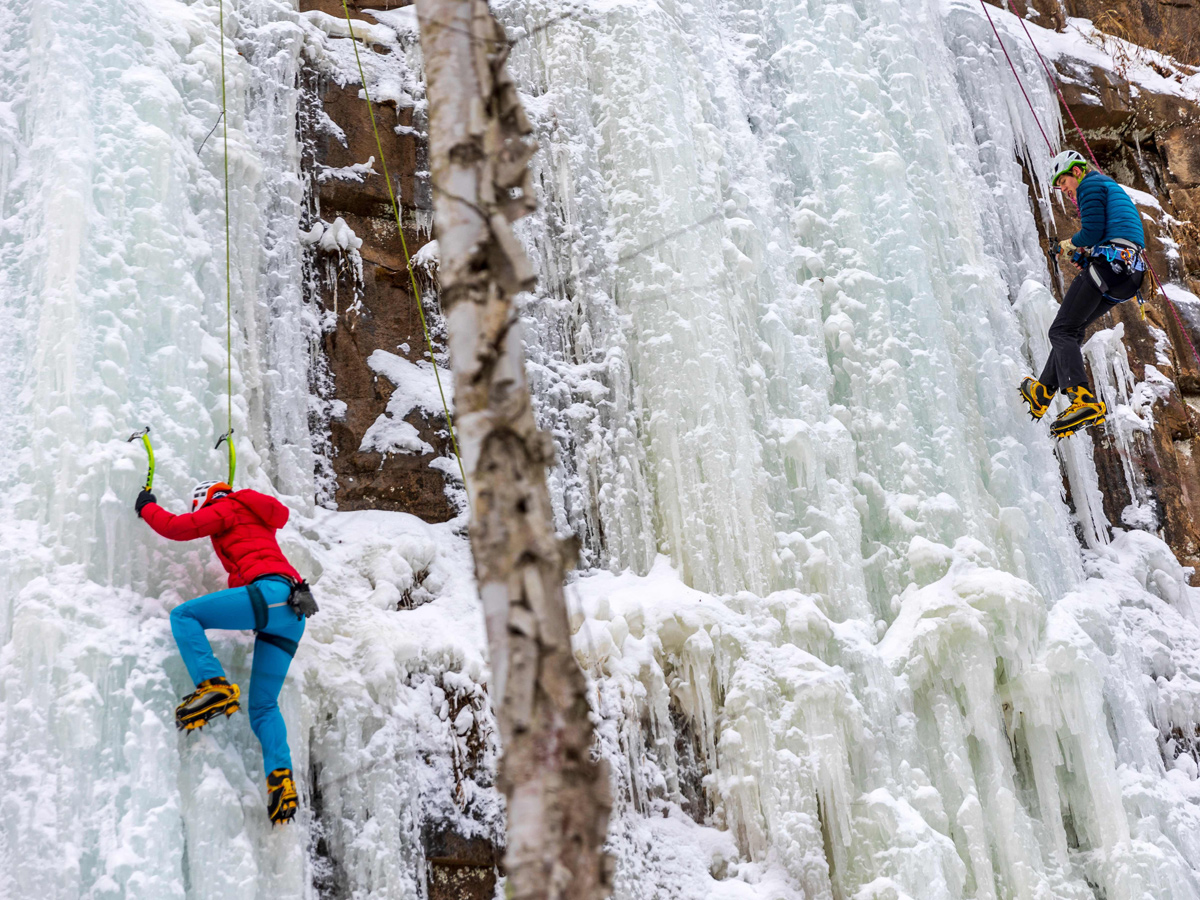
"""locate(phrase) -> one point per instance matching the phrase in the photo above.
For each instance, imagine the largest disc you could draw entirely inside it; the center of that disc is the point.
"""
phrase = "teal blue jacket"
(1106, 212)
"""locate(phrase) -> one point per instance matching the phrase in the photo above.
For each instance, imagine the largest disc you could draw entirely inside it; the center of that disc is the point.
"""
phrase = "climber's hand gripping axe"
(1052, 251)
(144, 434)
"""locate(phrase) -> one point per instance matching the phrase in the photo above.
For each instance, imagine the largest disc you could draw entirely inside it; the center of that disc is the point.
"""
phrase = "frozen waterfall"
(113, 317)
(845, 641)
(790, 279)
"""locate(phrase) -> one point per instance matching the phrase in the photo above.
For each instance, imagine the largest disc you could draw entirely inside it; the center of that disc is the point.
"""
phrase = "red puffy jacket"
(242, 526)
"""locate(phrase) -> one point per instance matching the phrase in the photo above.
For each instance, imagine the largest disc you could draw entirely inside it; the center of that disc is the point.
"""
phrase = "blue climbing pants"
(261, 606)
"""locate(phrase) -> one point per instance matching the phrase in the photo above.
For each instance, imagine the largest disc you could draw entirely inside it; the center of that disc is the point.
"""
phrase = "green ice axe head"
(227, 438)
(144, 434)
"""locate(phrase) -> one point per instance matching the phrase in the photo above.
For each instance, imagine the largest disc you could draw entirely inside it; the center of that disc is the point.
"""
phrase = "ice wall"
(845, 640)
(847, 644)
(112, 316)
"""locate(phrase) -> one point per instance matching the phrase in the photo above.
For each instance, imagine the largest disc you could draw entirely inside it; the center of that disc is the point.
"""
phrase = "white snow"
(1179, 294)
(415, 387)
(403, 20)
(338, 27)
(1141, 198)
(428, 257)
(339, 237)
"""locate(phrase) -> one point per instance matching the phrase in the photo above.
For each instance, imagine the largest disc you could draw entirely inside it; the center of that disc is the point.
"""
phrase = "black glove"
(301, 601)
(143, 498)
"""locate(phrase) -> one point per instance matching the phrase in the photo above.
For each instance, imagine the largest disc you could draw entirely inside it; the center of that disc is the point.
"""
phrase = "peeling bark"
(480, 147)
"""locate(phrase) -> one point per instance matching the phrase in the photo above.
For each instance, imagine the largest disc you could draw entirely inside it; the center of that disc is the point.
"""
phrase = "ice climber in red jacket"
(265, 593)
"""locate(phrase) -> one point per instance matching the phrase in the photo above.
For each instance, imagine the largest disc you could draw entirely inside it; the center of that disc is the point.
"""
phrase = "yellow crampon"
(210, 699)
(1084, 410)
(1036, 395)
(281, 796)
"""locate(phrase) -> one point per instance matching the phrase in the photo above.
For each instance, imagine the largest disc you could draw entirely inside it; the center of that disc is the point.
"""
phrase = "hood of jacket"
(273, 513)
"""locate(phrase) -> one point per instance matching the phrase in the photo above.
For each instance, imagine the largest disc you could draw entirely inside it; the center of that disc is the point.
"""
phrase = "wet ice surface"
(790, 281)
(113, 317)
(845, 641)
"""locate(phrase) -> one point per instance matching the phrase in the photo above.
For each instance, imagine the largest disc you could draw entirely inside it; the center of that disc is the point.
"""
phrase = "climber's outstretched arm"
(204, 522)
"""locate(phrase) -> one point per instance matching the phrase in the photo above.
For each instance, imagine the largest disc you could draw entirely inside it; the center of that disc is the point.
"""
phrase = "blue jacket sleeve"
(1093, 213)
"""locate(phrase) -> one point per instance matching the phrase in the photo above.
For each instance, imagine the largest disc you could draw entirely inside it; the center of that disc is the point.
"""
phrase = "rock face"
(365, 290)
(1168, 26)
(1150, 141)
(461, 868)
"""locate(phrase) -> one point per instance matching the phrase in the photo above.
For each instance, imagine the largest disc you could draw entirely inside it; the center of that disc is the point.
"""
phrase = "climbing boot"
(281, 796)
(1084, 410)
(211, 698)
(1036, 395)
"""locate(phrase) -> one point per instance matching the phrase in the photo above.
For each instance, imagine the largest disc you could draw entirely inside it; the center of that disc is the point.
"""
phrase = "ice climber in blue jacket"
(1110, 247)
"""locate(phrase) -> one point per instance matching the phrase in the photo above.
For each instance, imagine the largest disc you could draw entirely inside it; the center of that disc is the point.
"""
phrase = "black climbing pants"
(1083, 304)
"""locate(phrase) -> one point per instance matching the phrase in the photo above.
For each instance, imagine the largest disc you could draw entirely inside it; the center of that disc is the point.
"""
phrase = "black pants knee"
(1083, 304)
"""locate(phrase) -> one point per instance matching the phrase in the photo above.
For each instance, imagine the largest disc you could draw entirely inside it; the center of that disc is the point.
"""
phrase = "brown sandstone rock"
(381, 313)
(1181, 148)
(334, 7)
(460, 868)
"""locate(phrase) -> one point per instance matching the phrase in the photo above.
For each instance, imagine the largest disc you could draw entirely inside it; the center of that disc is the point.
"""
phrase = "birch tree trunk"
(480, 145)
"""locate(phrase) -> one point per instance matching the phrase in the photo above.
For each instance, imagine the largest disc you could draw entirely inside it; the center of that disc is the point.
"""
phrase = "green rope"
(228, 263)
(404, 245)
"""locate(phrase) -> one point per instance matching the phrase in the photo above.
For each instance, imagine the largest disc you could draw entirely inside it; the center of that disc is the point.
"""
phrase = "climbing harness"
(144, 434)
(1122, 257)
(1121, 254)
(404, 246)
(1155, 281)
(300, 599)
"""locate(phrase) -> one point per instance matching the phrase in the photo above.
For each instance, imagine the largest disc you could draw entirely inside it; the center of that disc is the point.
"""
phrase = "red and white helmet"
(207, 491)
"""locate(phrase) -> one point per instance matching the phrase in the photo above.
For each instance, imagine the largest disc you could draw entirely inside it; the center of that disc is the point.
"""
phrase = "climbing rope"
(228, 437)
(404, 246)
(1020, 83)
(1155, 280)
(1057, 90)
(1174, 311)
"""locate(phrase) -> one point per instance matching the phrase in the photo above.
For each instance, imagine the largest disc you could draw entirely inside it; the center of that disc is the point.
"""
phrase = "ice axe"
(1052, 252)
(144, 434)
(227, 437)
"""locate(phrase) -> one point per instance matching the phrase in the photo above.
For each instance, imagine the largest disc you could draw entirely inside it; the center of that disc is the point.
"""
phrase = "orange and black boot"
(211, 698)
(1037, 395)
(1084, 410)
(281, 796)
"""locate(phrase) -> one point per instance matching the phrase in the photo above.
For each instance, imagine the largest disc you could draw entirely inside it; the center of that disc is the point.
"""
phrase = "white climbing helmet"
(207, 491)
(1064, 163)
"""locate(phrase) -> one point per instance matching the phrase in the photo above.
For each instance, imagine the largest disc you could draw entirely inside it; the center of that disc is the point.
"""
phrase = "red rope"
(1174, 311)
(1058, 90)
(1020, 84)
